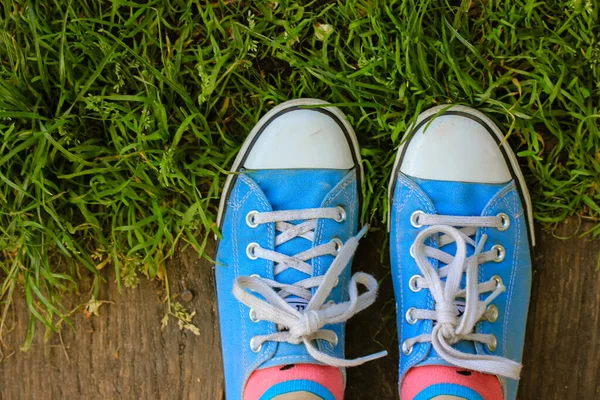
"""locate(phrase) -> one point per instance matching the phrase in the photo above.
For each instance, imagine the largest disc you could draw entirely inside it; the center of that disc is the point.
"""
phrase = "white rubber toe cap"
(455, 148)
(300, 138)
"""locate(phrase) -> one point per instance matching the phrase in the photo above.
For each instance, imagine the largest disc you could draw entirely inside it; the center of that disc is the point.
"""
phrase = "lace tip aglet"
(363, 231)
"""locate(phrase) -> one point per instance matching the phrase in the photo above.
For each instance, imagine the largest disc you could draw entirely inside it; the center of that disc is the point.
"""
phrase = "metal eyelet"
(492, 313)
(414, 219)
(498, 280)
(406, 350)
(342, 214)
(500, 252)
(409, 317)
(253, 317)
(338, 244)
(331, 303)
(492, 346)
(250, 219)
(412, 283)
(251, 250)
(254, 347)
(411, 251)
(505, 221)
(255, 275)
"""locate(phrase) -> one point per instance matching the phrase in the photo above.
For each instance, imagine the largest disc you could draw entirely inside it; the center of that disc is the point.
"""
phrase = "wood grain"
(124, 354)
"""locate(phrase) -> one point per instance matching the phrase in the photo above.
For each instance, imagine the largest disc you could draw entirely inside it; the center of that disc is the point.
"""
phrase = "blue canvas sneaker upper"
(461, 265)
(284, 285)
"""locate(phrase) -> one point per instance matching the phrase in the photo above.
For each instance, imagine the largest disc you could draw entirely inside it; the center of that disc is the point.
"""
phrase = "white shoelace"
(304, 327)
(450, 328)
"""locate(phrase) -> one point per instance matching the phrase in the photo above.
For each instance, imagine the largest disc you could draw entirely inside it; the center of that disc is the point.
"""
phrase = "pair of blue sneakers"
(460, 221)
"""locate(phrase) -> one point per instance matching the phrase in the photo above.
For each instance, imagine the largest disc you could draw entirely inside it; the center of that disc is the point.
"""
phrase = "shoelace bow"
(450, 328)
(305, 326)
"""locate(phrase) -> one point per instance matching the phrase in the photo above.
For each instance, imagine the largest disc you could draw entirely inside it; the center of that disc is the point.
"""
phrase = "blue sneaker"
(289, 219)
(461, 230)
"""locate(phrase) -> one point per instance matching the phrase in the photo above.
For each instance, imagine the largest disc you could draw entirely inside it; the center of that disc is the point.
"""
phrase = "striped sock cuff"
(300, 385)
(448, 389)
(322, 381)
(429, 381)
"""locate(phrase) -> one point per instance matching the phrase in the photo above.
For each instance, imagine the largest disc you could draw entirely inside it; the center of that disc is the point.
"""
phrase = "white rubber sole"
(239, 159)
(510, 155)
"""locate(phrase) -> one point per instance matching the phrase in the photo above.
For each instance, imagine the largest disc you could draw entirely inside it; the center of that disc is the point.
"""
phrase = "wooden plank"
(124, 354)
(562, 349)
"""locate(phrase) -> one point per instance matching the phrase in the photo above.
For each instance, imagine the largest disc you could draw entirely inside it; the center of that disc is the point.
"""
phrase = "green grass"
(119, 118)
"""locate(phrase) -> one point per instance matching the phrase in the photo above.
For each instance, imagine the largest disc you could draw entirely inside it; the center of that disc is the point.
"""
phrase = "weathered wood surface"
(124, 354)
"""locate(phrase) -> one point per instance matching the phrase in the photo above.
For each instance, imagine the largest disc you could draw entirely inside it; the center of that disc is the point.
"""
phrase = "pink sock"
(317, 379)
(436, 380)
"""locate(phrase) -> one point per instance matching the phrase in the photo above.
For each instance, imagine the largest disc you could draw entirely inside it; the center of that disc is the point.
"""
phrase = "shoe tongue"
(295, 189)
(460, 199)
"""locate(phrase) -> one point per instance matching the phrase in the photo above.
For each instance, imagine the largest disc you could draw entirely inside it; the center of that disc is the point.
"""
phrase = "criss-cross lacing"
(451, 328)
(304, 327)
